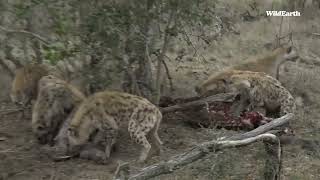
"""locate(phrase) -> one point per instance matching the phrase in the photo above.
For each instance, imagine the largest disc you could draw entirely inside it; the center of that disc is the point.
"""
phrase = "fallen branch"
(264, 128)
(45, 42)
(316, 34)
(122, 171)
(198, 152)
(10, 111)
(225, 97)
(194, 154)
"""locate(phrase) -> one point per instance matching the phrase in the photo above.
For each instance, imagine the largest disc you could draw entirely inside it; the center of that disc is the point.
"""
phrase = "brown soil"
(21, 158)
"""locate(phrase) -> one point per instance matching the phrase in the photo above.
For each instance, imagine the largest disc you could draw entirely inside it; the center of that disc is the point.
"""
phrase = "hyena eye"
(289, 49)
(72, 132)
(224, 81)
(40, 128)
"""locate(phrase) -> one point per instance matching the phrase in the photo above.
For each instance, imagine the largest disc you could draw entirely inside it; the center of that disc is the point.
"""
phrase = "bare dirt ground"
(21, 158)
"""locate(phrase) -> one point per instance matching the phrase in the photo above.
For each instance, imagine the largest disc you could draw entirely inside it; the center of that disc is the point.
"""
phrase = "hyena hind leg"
(139, 137)
(155, 139)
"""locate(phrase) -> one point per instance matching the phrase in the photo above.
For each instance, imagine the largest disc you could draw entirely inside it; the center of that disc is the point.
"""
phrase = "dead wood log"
(203, 149)
(194, 154)
(264, 128)
(225, 97)
(10, 111)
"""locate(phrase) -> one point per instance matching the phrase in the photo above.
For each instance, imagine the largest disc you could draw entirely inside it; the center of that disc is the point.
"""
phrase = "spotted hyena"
(268, 64)
(262, 91)
(24, 87)
(55, 101)
(100, 117)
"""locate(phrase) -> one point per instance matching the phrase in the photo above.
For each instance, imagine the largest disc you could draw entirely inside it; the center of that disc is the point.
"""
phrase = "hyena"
(100, 117)
(268, 64)
(55, 101)
(24, 88)
(263, 92)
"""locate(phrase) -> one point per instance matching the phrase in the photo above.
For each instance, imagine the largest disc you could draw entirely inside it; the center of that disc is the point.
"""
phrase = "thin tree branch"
(316, 34)
(6, 67)
(187, 38)
(160, 59)
(168, 74)
(45, 42)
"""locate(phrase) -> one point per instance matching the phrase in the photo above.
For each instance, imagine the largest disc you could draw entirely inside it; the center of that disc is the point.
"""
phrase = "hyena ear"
(197, 89)
(289, 49)
(246, 83)
(40, 127)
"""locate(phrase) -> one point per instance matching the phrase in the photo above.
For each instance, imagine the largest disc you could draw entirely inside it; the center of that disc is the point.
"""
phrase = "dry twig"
(10, 111)
(122, 172)
(45, 42)
(168, 74)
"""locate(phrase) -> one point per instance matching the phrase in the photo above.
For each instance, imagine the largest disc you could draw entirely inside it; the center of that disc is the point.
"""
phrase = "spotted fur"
(268, 64)
(55, 100)
(263, 91)
(100, 117)
(24, 87)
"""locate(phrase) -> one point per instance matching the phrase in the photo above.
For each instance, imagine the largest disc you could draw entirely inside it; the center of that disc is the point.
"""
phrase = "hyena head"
(51, 108)
(215, 85)
(41, 124)
(25, 84)
(50, 80)
(78, 132)
(287, 53)
(84, 126)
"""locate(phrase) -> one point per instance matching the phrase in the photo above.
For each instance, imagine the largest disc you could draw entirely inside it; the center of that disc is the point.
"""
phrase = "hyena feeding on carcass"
(96, 124)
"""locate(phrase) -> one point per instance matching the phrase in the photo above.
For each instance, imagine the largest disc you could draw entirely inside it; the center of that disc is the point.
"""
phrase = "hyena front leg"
(108, 140)
(109, 132)
(100, 146)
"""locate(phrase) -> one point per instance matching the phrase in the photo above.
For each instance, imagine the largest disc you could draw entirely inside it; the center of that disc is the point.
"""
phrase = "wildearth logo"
(282, 13)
